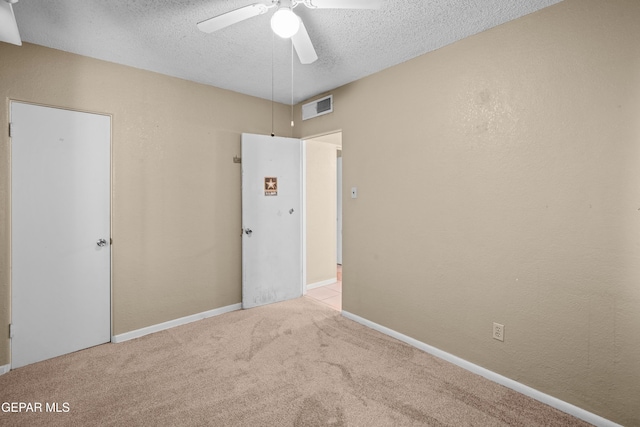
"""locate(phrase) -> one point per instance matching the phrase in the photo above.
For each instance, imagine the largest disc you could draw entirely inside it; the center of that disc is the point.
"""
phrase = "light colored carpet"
(296, 363)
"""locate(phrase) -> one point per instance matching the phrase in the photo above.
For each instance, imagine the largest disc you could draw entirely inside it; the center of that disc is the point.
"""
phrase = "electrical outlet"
(498, 331)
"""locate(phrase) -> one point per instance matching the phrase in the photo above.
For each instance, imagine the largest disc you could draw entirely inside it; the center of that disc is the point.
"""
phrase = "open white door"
(60, 228)
(271, 219)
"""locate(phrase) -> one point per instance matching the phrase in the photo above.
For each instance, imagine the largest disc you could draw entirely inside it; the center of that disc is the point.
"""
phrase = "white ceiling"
(161, 36)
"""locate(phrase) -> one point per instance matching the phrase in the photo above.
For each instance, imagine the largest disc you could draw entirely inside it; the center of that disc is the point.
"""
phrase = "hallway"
(331, 294)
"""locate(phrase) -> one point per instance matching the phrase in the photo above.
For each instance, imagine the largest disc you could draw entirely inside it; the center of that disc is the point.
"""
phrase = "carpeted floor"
(296, 363)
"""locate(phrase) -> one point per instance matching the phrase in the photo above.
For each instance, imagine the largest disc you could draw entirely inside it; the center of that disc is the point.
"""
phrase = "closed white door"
(60, 232)
(271, 219)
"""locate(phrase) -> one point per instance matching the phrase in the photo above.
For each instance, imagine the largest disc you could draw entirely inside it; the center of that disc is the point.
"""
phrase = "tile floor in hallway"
(331, 294)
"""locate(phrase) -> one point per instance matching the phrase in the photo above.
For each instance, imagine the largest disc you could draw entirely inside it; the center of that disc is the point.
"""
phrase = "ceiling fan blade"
(221, 21)
(8, 26)
(304, 48)
(346, 4)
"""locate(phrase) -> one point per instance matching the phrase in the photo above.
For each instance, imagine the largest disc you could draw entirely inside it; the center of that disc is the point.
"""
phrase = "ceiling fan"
(8, 25)
(284, 22)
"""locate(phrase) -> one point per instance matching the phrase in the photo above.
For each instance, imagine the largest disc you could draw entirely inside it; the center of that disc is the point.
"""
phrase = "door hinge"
(10, 330)
(10, 130)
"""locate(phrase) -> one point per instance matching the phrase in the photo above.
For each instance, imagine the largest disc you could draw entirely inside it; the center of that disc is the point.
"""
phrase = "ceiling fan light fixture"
(285, 23)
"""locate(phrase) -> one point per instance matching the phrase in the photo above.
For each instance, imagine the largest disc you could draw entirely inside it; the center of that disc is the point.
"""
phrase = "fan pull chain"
(272, 48)
(292, 83)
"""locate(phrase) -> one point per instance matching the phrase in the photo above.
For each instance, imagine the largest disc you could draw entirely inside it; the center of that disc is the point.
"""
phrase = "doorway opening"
(330, 295)
(323, 225)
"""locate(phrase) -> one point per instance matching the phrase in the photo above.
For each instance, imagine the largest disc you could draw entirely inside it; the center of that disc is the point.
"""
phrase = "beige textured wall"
(499, 181)
(321, 211)
(176, 190)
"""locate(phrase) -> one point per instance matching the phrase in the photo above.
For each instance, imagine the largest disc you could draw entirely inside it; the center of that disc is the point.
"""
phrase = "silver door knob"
(248, 231)
(102, 242)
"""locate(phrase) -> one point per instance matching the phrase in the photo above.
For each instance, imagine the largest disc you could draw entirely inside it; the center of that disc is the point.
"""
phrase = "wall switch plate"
(354, 192)
(498, 331)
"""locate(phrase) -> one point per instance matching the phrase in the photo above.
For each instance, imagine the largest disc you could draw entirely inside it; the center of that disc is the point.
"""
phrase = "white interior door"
(271, 219)
(60, 228)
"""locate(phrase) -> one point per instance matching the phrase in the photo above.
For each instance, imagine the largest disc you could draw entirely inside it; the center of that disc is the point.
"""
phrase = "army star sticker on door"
(270, 186)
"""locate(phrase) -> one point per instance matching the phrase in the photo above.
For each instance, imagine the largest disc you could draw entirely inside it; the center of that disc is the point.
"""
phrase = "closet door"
(60, 232)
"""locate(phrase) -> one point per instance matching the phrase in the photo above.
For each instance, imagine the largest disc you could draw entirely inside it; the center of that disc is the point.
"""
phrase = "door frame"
(339, 207)
(303, 183)
(10, 212)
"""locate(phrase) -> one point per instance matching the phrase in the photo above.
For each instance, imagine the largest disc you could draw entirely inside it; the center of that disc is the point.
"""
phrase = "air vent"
(317, 108)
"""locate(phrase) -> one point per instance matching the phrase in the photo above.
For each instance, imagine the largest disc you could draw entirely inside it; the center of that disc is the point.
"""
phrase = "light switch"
(354, 192)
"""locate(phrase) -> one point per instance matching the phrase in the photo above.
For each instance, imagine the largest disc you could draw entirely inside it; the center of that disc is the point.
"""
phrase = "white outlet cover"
(498, 331)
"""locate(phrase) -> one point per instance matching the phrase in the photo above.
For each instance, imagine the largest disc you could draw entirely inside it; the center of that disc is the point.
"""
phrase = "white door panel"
(272, 224)
(60, 208)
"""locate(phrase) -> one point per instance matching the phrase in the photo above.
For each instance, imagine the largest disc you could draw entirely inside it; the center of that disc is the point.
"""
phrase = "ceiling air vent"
(317, 108)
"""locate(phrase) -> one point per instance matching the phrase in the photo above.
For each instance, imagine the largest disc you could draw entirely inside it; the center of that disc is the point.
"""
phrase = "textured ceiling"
(161, 36)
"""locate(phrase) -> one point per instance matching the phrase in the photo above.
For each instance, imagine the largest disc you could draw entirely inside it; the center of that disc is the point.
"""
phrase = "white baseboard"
(4, 369)
(173, 323)
(507, 382)
(323, 283)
